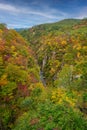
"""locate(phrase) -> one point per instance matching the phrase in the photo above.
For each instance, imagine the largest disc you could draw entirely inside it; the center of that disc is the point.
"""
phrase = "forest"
(43, 76)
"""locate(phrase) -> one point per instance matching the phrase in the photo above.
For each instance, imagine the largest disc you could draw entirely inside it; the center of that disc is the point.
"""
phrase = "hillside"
(65, 45)
(18, 72)
(44, 29)
(43, 77)
(61, 52)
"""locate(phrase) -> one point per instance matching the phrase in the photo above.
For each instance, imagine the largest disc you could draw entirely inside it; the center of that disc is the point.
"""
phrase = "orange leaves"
(2, 46)
(21, 60)
(16, 60)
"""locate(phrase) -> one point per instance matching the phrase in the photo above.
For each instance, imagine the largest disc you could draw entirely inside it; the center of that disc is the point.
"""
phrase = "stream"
(42, 78)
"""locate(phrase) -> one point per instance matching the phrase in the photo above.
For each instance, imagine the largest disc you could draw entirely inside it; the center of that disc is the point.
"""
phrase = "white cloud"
(36, 13)
(45, 12)
(7, 7)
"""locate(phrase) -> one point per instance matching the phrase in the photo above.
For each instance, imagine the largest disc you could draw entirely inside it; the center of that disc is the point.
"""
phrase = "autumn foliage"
(43, 77)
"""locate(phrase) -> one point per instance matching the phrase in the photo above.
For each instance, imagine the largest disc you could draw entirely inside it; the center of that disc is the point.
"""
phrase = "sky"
(28, 13)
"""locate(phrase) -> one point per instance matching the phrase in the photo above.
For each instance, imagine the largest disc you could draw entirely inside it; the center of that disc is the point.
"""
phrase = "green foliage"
(63, 42)
(18, 70)
(2, 26)
(65, 77)
(27, 102)
(85, 97)
(16, 74)
(1, 66)
(8, 89)
(55, 54)
(5, 115)
(50, 116)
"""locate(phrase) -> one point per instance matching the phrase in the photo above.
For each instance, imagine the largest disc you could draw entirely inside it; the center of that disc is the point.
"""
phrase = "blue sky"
(27, 13)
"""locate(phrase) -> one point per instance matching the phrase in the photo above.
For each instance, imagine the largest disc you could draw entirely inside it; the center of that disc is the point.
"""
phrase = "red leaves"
(6, 57)
(23, 90)
(33, 79)
(34, 121)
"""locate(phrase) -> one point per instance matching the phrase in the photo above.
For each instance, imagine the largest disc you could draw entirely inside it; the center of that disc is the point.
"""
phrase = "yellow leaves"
(15, 54)
(84, 50)
(2, 47)
(78, 54)
(36, 85)
(70, 101)
(39, 85)
(52, 71)
(12, 48)
(84, 47)
(3, 80)
(49, 43)
(78, 47)
(56, 63)
(57, 95)
(74, 46)
(1, 32)
(60, 96)
(1, 60)
(11, 97)
(63, 42)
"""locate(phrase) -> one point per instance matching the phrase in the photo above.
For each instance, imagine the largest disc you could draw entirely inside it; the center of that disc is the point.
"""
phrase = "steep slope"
(62, 56)
(60, 50)
(18, 72)
(58, 46)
